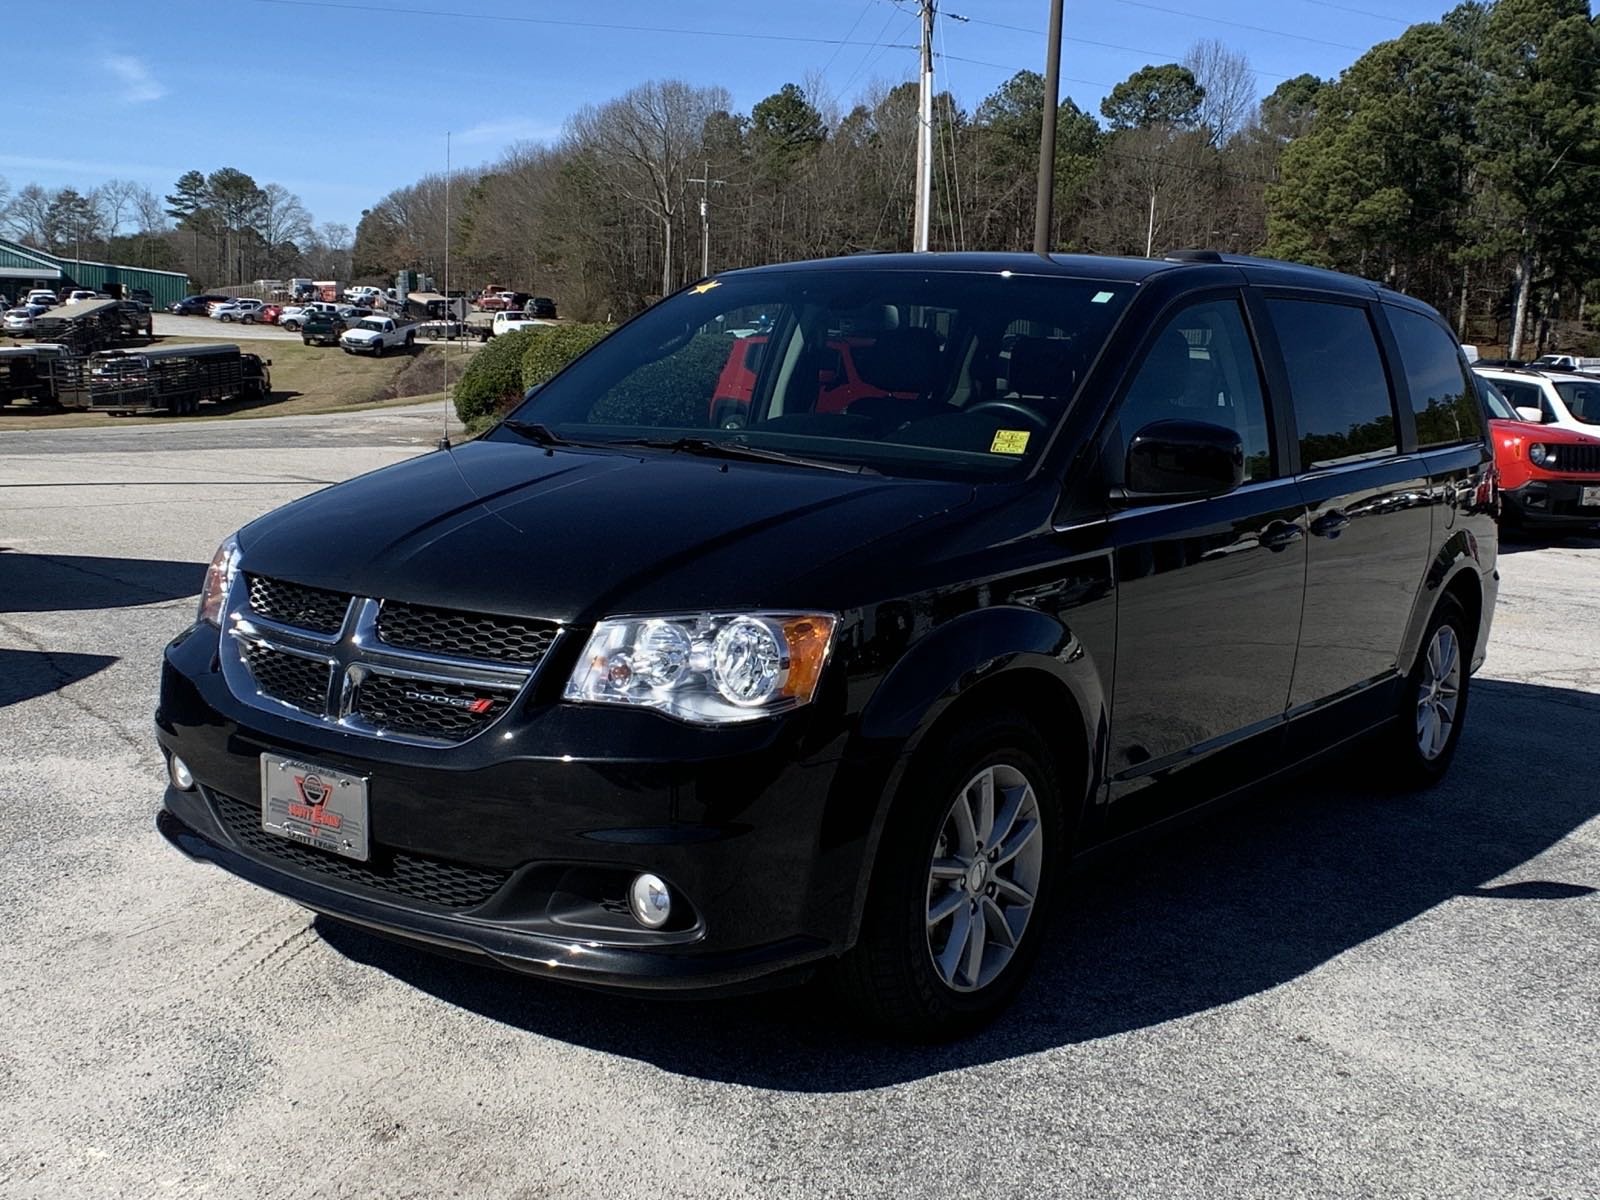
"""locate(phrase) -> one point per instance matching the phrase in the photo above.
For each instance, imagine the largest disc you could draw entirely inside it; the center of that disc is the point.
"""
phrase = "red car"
(269, 314)
(839, 380)
(1548, 476)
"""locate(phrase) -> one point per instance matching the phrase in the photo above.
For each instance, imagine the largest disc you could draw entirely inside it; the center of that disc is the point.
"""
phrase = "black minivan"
(825, 614)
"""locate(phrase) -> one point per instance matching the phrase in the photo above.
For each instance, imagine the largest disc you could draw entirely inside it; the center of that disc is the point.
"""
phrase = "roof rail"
(1195, 256)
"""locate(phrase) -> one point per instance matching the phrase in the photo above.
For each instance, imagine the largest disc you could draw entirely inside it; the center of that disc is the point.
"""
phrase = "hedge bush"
(493, 378)
(673, 391)
(555, 347)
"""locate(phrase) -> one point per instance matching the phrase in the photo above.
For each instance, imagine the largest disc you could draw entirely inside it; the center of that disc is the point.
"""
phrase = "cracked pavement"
(1328, 991)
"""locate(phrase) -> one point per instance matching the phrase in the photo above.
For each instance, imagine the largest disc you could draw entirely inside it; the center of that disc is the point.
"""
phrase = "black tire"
(291, 325)
(225, 319)
(1412, 767)
(890, 977)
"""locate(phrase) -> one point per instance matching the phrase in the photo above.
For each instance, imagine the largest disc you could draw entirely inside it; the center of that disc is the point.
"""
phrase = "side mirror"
(1182, 460)
(1530, 414)
(532, 392)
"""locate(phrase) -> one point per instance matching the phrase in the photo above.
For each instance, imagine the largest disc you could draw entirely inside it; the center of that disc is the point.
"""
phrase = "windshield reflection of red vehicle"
(840, 382)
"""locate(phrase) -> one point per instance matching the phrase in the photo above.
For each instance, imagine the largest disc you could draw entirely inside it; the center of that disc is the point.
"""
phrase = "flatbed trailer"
(175, 379)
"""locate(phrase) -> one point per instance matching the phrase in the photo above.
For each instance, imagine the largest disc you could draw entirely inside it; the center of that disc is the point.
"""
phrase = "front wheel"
(1433, 701)
(225, 319)
(962, 887)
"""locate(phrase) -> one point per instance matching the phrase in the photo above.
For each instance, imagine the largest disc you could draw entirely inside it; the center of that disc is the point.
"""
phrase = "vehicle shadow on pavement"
(1518, 541)
(78, 582)
(1250, 898)
(25, 674)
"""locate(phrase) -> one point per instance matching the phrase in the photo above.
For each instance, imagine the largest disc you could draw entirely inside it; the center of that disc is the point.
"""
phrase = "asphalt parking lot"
(1330, 991)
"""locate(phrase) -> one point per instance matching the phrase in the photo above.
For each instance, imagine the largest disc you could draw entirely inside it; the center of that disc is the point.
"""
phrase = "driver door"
(1209, 592)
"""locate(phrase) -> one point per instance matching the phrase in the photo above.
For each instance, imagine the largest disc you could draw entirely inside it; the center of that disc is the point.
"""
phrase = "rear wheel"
(1433, 702)
(962, 887)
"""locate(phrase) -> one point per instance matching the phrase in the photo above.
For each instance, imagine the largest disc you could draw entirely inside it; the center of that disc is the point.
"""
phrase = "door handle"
(1330, 524)
(1280, 534)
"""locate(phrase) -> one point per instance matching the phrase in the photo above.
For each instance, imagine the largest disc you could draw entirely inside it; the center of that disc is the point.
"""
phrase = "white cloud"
(518, 129)
(138, 85)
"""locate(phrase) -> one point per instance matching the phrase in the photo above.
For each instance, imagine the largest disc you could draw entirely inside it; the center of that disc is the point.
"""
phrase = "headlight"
(1538, 454)
(219, 578)
(706, 669)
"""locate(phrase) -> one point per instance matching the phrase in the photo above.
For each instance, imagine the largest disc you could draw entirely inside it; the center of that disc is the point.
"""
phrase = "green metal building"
(23, 267)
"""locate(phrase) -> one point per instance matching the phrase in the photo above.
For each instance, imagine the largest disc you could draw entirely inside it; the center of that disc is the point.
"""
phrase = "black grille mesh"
(295, 604)
(429, 880)
(302, 682)
(409, 706)
(1574, 459)
(464, 634)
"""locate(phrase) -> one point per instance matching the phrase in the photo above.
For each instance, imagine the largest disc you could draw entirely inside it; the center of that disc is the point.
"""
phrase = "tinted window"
(1202, 367)
(1582, 400)
(1441, 397)
(1524, 395)
(1341, 394)
(1494, 400)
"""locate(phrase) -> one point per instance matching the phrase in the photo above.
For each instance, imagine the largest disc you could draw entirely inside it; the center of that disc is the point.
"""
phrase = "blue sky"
(146, 89)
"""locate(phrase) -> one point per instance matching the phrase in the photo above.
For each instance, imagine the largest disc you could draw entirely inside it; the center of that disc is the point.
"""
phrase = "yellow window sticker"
(1010, 441)
(700, 289)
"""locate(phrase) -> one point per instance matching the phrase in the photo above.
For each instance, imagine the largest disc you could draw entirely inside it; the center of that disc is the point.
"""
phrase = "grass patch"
(305, 379)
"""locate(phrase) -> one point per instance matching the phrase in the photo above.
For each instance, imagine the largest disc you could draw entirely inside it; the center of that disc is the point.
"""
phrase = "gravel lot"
(1327, 992)
(167, 325)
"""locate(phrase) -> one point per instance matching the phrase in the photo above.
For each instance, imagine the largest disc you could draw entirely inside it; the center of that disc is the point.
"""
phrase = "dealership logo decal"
(315, 792)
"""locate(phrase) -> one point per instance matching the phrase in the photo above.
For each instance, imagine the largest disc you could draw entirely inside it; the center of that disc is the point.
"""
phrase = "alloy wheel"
(983, 877)
(1438, 692)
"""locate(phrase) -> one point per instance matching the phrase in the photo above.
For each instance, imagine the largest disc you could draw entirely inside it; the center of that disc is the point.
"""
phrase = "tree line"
(1458, 162)
(220, 229)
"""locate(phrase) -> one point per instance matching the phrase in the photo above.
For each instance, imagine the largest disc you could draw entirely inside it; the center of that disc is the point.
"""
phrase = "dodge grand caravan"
(620, 696)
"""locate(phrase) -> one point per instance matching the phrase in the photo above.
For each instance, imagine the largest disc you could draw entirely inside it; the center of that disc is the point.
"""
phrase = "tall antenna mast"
(449, 315)
(924, 208)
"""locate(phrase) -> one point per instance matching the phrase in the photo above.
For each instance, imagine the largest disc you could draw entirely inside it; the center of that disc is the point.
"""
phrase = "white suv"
(1560, 398)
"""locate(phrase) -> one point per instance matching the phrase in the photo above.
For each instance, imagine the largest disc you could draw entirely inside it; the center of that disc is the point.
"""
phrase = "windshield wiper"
(712, 448)
(534, 431)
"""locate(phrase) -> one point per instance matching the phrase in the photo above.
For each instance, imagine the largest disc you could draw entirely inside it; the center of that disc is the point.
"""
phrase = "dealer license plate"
(1591, 497)
(313, 805)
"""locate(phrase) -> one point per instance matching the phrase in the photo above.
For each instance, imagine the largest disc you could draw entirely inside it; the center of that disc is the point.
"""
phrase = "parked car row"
(1546, 426)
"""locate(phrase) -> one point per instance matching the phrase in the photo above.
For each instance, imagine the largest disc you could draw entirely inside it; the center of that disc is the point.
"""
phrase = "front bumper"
(1553, 503)
(518, 845)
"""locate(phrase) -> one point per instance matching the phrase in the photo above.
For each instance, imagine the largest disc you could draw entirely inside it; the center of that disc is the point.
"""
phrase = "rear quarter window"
(1342, 403)
(1442, 397)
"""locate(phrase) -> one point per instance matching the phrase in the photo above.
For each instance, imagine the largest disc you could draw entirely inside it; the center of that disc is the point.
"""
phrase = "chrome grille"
(470, 635)
(291, 678)
(414, 876)
(436, 710)
(295, 604)
(317, 656)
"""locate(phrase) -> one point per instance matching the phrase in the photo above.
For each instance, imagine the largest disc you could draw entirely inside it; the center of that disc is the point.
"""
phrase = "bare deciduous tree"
(1229, 103)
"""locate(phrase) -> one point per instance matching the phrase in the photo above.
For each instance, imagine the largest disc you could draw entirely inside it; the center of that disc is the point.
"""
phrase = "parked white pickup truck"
(376, 334)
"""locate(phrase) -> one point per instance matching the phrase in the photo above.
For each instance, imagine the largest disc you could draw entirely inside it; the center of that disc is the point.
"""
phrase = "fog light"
(651, 902)
(182, 779)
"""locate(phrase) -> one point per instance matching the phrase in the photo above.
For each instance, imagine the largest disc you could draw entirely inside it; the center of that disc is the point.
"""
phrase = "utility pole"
(924, 208)
(706, 184)
(1043, 209)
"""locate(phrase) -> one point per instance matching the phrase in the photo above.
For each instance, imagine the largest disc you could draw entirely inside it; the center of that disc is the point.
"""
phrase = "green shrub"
(493, 378)
(555, 347)
(672, 391)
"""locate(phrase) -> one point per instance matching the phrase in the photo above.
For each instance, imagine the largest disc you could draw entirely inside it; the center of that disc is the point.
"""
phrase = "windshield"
(904, 371)
(1582, 400)
(1495, 401)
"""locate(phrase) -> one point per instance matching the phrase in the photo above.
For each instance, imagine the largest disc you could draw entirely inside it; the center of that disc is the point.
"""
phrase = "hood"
(574, 535)
(361, 335)
(1531, 431)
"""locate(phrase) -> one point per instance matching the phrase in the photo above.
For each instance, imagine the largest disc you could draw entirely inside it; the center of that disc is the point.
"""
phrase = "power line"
(388, 11)
(1360, 12)
(823, 74)
(1299, 37)
(1165, 55)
